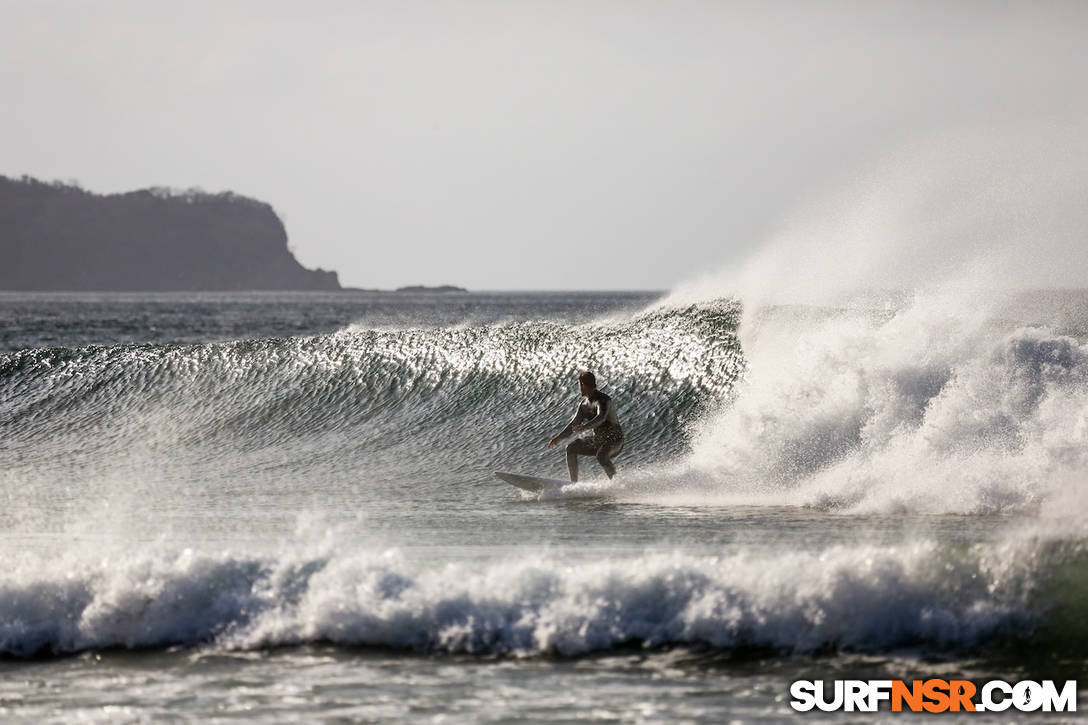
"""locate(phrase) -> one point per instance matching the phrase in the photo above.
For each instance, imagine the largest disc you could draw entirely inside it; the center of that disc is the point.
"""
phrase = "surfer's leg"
(604, 456)
(579, 447)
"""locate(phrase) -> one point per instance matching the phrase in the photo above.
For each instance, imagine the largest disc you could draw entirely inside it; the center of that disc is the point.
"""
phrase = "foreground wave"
(870, 599)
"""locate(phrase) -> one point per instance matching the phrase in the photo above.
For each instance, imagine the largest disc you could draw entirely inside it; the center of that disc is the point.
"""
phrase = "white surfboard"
(532, 484)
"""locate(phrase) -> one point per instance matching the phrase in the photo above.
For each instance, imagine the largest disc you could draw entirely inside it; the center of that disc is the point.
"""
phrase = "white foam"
(924, 411)
(860, 597)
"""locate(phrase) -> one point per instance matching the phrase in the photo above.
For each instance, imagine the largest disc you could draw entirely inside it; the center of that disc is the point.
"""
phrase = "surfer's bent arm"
(569, 430)
(576, 419)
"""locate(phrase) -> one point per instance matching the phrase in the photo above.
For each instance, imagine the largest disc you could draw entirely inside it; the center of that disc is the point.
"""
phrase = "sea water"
(280, 507)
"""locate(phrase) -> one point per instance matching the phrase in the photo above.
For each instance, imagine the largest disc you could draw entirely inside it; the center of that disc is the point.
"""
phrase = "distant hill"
(59, 237)
(446, 288)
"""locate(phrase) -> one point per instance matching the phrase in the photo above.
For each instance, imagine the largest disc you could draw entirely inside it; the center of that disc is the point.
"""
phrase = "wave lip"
(858, 598)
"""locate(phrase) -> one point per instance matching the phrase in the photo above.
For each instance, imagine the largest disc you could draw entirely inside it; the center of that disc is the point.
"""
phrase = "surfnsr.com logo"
(933, 695)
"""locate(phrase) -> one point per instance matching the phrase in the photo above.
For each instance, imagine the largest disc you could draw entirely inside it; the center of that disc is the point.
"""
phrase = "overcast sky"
(521, 145)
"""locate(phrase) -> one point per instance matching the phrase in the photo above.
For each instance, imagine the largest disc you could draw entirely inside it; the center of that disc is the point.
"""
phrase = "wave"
(358, 393)
(860, 598)
(925, 404)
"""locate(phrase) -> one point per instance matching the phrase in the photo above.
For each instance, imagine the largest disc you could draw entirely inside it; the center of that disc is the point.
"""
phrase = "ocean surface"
(281, 507)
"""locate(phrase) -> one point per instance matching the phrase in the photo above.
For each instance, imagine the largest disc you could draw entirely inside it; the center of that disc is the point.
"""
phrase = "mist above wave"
(896, 361)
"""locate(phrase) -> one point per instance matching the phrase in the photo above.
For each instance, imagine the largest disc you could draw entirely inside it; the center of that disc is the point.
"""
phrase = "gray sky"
(521, 145)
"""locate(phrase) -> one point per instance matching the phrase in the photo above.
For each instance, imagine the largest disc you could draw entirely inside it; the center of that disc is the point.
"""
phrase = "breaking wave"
(865, 599)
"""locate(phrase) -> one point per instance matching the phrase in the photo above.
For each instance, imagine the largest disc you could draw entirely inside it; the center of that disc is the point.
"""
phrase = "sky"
(541, 144)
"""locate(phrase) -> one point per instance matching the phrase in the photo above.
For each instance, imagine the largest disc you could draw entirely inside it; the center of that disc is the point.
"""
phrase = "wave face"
(850, 598)
(436, 402)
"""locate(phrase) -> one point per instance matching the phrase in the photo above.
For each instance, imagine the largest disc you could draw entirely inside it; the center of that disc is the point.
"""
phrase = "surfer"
(597, 413)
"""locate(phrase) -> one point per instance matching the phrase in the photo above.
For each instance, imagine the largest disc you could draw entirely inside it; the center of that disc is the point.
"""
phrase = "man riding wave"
(596, 412)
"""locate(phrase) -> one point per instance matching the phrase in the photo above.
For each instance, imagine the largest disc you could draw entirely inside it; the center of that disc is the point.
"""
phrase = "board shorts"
(602, 445)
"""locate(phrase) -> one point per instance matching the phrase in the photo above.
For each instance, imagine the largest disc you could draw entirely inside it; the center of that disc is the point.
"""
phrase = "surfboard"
(532, 484)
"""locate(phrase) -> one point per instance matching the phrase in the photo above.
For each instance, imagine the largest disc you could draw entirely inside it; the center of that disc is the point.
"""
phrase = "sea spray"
(896, 360)
(921, 411)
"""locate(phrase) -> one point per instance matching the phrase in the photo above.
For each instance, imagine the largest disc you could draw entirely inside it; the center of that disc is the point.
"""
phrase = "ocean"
(272, 507)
